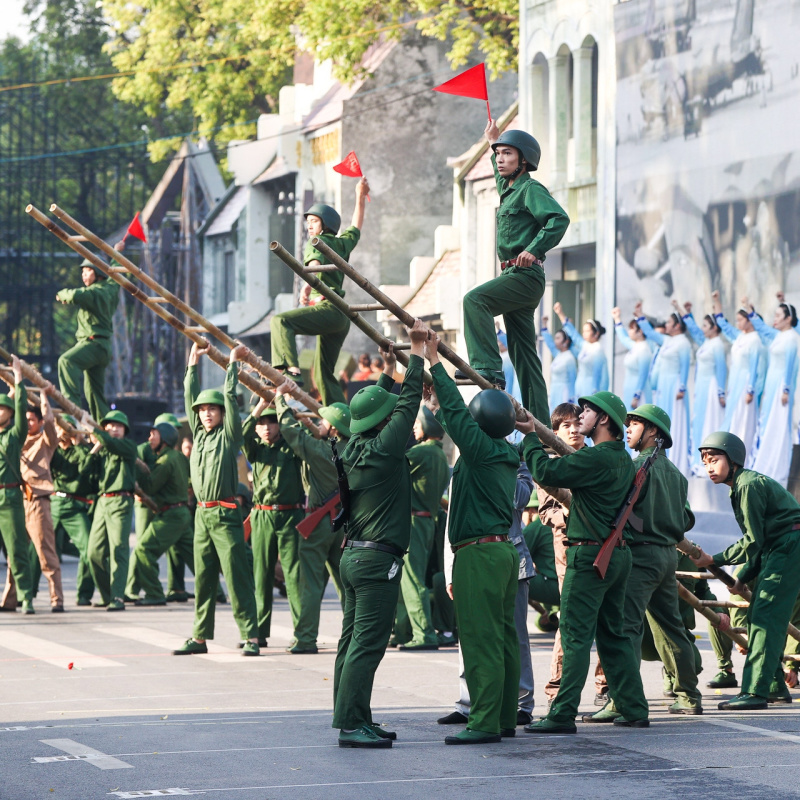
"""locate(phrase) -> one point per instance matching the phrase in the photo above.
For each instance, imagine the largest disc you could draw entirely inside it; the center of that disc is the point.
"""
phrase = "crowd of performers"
(411, 569)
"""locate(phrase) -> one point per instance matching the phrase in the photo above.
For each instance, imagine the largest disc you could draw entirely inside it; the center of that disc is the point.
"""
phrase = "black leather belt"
(591, 543)
(383, 548)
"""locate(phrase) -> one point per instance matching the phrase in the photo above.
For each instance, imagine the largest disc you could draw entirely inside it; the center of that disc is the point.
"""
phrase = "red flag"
(136, 229)
(471, 83)
(349, 166)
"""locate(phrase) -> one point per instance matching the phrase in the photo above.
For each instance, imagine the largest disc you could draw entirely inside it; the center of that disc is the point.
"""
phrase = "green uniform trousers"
(792, 645)
(515, 294)
(652, 592)
(318, 555)
(416, 596)
(593, 610)
(219, 545)
(273, 534)
(371, 581)
(86, 362)
(172, 528)
(485, 583)
(16, 541)
(142, 516)
(544, 590)
(108, 551)
(176, 566)
(71, 517)
(330, 326)
(775, 591)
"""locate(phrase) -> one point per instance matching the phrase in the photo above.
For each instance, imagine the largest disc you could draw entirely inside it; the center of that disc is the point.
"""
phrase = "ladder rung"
(195, 329)
(367, 307)
(158, 299)
(115, 270)
(402, 345)
(77, 238)
(465, 382)
(322, 268)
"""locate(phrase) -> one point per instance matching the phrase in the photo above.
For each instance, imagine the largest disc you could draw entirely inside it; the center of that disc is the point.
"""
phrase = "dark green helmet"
(338, 414)
(7, 401)
(494, 413)
(731, 445)
(371, 405)
(431, 427)
(657, 416)
(98, 272)
(169, 418)
(331, 221)
(69, 419)
(117, 416)
(209, 397)
(525, 143)
(609, 404)
(269, 414)
(168, 433)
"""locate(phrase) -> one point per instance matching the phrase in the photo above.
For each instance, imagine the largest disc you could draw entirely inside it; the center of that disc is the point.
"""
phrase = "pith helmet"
(117, 416)
(210, 397)
(657, 416)
(338, 414)
(430, 425)
(525, 143)
(369, 406)
(168, 433)
(731, 445)
(69, 419)
(610, 404)
(98, 272)
(269, 414)
(331, 221)
(494, 413)
(7, 401)
(169, 418)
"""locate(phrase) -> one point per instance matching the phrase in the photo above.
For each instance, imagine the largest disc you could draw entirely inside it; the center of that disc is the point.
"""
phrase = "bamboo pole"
(542, 431)
(35, 377)
(214, 354)
(710, 615)
(700, 576)
(690, 549)
(258, 364)
(725, 603)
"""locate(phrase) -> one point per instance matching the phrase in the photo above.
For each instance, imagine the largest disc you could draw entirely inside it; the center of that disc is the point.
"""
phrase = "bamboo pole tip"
(274, 245)
(29, 208)
(53, 206)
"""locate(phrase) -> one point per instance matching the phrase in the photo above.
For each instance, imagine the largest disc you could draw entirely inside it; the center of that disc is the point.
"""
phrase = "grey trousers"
(525, 702)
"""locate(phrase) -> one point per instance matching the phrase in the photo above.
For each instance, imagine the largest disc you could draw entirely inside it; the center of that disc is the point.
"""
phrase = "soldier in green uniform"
(317, 316)
(592, 608)
(378, 534)
(13, 432)
(487, 565)
(88, 359)
(75, 480)
(278, 503)
(218, 531)
(543, 586)
(529, 223)
(769, 550)
(651, 591)
(319, 547)
(430, 474)
(171, 526)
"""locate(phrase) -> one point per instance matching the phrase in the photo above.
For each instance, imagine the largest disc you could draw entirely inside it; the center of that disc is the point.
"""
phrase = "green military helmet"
(169, 418)
(657, 416)
(269, 414)
(731, 445)
(338, 414)
(331, 221)
(69, 419)
(371, 405)
(98, 272)
(525, 143)
(430, 425)
(608, 403)
(7, 401)
(168, 433)
(494, 413)
(117, 416)
(209, 397)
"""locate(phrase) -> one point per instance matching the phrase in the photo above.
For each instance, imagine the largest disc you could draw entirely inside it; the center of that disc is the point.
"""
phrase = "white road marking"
(167, 641)
(76, 750)
(724, 723)
(51, 653)
(157, 793)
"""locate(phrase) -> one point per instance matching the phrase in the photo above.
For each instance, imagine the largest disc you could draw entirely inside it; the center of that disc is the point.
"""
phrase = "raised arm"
(362, 190)
(728, 331)
(232, 421)
(765, 333)
(191, 386)
(649, 331)
(694, 329)
(20, 401)
(547, 338)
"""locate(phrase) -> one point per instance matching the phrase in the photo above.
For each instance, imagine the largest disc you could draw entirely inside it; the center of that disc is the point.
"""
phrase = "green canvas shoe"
(191, 648)
(546, 725)
(364, 737)
(744, 702)
(468, 736)
(723, 680)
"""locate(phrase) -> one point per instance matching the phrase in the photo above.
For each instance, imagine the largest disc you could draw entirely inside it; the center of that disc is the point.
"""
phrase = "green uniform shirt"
(168, 481)
(377, 470)
(276, 469)
(539, 538)
(766, 513)
(485, 475)
(662, 504)
(430, 474)
(116, 464)
(214, 471)
(343, 245)
(11, 440)
(600, 478)
(73, 470)
(96, 306)
(528, 217)
(146, 454)
(317, 471)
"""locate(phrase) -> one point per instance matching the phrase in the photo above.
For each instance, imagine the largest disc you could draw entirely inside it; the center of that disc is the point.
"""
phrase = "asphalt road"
(131, 720)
